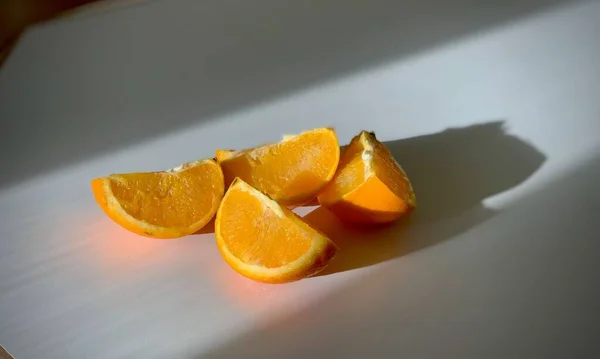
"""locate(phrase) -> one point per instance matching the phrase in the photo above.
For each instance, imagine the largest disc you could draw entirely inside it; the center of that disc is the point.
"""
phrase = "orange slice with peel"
(265, 241)
(290, 172)
(167, 204)
(370, 187)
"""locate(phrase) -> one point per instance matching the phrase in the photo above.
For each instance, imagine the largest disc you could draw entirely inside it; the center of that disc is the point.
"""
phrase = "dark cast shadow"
(452, 172)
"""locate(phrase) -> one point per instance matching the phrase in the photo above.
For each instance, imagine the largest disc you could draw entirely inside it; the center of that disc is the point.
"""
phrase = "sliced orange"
(292, 171)
(167, 204)
(369, 187)
(267, 242)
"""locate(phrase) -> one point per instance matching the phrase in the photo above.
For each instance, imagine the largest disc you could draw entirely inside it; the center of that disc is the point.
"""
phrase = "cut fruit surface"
(267, 242)
(292, 171)
(167, 204)
(369, 186)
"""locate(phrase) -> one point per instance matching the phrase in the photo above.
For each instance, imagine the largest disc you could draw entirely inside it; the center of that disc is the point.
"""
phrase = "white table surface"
(494, 113)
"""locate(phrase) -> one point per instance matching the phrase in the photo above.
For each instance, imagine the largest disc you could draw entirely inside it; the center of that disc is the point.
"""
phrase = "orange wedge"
(166, 204)
(369, 187)
(267, 242)
(290, 172)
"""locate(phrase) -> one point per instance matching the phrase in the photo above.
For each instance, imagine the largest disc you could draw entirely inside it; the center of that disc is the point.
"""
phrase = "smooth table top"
(494, 114)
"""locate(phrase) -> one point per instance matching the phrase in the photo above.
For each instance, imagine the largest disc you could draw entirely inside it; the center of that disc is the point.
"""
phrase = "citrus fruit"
(166, 204)
(290, 172)
(265, 241)
(369, 186)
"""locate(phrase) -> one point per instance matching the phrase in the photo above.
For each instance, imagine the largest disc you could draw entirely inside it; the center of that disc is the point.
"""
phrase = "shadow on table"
(108, 82)
(452, 172)
(536, 258)
(520, 266)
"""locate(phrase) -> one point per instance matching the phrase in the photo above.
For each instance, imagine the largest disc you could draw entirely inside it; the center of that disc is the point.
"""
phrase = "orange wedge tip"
(168, 204)
(266, 242)
(222, 155)
(369, 187)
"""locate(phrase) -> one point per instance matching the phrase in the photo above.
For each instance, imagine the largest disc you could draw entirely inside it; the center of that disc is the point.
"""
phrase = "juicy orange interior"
(168, 199)
(260, 232)
(288, 169)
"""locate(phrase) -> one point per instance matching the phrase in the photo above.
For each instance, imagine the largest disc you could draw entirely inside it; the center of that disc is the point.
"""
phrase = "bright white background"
(493, 111)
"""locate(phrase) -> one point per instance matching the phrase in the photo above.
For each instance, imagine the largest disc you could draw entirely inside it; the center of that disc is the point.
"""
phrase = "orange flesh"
(255, 233)
(292, 171)
(369, 185)
(222, 155)
(254, 230)
(162, 204)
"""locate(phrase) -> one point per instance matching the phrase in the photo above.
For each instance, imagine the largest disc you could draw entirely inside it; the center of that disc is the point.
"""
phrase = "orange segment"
(267, 242)
(370, 186)
(292, 171)
(166, 204)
